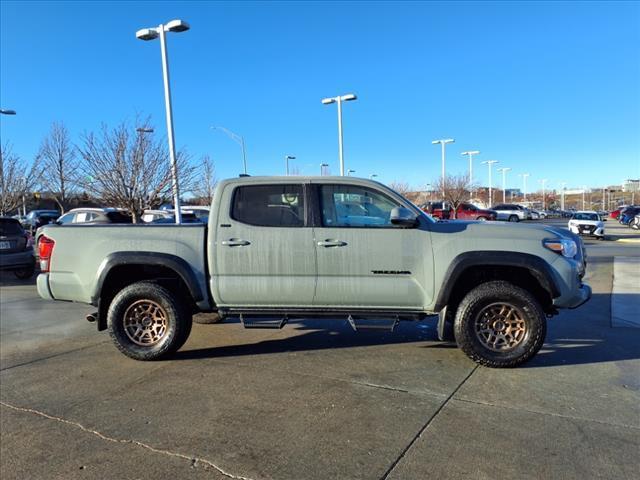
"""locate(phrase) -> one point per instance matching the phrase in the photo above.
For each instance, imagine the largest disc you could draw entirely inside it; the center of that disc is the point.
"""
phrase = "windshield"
(586, 216)
(10, 227)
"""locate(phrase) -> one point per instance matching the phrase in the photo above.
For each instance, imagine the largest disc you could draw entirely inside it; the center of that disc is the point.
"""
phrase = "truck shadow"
(575, 337)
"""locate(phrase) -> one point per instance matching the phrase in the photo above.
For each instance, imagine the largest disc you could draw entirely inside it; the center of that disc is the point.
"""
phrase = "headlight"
(566, 247)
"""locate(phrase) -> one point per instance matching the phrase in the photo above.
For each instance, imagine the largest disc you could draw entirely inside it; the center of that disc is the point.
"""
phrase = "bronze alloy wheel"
(500, 327)
(145, 322)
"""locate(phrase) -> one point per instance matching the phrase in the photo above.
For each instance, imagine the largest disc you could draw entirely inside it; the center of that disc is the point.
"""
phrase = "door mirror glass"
(403, 217)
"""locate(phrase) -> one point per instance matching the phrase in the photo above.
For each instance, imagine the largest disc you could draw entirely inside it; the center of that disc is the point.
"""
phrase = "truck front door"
(264, 251)
(365, 261)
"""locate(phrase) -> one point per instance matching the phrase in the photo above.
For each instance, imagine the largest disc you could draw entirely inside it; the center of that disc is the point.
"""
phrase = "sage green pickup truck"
(283, 248)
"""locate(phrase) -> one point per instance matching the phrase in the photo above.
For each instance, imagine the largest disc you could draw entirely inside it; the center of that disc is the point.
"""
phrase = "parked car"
(635, 223)
(511, 212)
(281, 248)
(616, 213)
(438, 210)
(94, 216)
(199, 212)
(587, 223)
(627, 214)
(37, 218)
(468, 211)
(16, 248)
(538, 214)
(186, 218)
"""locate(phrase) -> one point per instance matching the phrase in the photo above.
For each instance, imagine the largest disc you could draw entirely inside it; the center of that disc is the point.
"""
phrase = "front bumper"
(17, 260)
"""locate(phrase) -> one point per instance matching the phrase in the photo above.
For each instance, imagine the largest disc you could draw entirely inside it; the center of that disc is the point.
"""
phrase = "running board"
(360, 324)
(274, 323)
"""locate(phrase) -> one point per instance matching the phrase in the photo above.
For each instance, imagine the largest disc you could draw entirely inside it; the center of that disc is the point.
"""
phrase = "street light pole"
(584, 189)
(490, 163)
(442, 143)
(339, 99)
(544, 201)
(372, 176)
(150, 34)
(562, 184)
(349, 172)
(470, 154)
(287, 158)
(322, 167)
(504, 171)
(524, 185)
(239, 139)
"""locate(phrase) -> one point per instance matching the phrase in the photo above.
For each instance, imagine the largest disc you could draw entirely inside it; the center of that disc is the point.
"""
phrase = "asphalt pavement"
(316, 400)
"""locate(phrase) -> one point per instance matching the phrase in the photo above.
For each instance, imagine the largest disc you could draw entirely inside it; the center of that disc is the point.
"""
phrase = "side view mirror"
(403, 217)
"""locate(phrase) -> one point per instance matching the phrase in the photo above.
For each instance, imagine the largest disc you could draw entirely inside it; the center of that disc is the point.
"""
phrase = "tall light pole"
(339, 99)
(524, 185)
(322, 167)
(470, 154)
(544, 201)
(286, 159)
(442, 143)
(562, 184)
(150, 34)
(490, 163)
(239, 139)
(504, 171)
(349, 172)
(372, 176)
(584, 189)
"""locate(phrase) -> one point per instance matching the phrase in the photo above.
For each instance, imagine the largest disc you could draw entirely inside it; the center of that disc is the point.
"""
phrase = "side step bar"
(372, 323)
(263, 321)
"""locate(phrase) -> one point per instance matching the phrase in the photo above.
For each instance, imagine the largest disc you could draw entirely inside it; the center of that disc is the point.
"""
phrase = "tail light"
(45, 249)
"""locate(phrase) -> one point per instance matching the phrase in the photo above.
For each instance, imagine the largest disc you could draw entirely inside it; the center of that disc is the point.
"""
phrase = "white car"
(587, 223)
(511, 212)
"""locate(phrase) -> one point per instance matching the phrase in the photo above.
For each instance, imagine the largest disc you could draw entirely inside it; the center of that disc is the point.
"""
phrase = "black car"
(16, 249)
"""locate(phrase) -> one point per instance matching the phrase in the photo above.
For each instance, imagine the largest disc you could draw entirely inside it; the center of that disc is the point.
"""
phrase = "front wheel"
(147, 321)
(514, 218)
(500, 325)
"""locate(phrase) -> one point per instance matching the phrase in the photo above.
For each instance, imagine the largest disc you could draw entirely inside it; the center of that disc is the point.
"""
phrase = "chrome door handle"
(235, 242)
(332, 243)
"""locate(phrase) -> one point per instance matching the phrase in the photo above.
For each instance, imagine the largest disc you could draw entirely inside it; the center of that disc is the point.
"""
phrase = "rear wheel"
(147, 321)
(514, 218)
(482, 219)
(500, 325)
(25, 273)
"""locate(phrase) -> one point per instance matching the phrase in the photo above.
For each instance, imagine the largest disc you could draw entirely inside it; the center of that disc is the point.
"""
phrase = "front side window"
(269, 205)
(352, 206)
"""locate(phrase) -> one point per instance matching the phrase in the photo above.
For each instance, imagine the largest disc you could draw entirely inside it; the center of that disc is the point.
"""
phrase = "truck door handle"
(332, 243)
(235, 242)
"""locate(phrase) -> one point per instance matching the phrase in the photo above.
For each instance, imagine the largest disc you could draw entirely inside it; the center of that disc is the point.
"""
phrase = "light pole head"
(443, 141)
(349, 172)
(176, 26)
(147, 34)
(472, 152)
(489, 162)
(324, 164)
(144, 130)
(328, 101)
(8, 112)
(290, 157)
(348, 97)
(372, 176)
(504, 169)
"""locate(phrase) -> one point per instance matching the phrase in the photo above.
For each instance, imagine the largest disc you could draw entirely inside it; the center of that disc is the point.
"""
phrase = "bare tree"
(129, 169)
(401, 187)
(457, 190)
(16, 180)
(57, 157)
(205, 185)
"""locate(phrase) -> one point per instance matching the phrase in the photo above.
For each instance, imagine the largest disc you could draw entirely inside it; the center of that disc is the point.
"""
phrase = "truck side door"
(264, 250)
(365, 261)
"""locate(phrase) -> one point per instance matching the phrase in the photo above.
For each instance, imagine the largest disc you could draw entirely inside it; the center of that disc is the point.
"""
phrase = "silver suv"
(512, 212)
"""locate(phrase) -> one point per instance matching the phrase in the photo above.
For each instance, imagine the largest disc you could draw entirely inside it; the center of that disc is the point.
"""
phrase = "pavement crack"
(53, 356)
(426, 425)
(194, 460)
(550, 414)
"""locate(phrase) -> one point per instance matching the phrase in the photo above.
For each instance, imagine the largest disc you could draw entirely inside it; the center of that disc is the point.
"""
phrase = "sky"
(546, 88)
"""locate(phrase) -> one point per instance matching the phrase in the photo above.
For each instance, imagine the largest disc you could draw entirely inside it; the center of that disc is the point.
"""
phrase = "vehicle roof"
(93, 209)
(301, 179)
(586, 211)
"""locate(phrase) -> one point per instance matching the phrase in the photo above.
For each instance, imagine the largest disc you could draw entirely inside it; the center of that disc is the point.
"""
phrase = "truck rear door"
(264, 250)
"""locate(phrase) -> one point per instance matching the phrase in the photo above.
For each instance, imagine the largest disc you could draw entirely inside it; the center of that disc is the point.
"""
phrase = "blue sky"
(548, 88)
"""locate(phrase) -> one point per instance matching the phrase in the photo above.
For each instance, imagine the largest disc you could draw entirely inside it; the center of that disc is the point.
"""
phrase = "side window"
(66, 219)
(351, 206)
(82, 217)
(269, 205)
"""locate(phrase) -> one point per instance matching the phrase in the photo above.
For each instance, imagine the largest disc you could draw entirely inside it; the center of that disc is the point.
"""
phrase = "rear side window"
(269, 205)
(119, 217)
(10, 227)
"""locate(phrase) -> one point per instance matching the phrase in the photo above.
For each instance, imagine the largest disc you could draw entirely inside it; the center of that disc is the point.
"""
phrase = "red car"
(616, 213)
(465, 211)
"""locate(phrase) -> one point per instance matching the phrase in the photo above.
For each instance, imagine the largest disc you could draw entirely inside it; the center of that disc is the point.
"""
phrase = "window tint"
(269, 205)
(119, 217)
(10, 227)
(66, 219)
(350, 206)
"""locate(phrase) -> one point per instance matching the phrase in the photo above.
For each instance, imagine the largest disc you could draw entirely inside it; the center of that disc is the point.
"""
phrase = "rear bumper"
(42, 284)
(14, 261)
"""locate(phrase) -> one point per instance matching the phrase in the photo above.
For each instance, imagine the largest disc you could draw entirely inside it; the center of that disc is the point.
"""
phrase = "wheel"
(499, 325)
(25, 273)
(207, 318)
(482, 219)
(513, 218)
(147, 321)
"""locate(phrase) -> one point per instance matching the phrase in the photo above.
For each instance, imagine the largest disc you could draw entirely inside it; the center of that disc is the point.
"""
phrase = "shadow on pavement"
(8, 279)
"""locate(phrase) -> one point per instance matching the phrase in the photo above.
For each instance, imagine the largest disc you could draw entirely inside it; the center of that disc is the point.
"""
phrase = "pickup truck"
(282, 248)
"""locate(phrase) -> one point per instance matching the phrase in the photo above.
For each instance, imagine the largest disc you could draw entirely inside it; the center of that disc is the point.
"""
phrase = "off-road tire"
(207, 318)
(172, 312)
(514, 218)
(25, 273)
(471, 309)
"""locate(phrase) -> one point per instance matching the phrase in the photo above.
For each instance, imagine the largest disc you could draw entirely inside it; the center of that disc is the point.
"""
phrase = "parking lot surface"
(316, 400)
